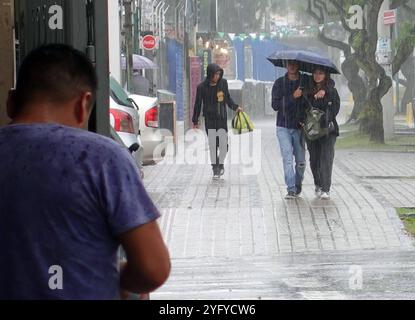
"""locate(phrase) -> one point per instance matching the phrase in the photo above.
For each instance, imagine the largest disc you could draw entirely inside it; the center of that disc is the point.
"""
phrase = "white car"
(151, 137)
(125, 119)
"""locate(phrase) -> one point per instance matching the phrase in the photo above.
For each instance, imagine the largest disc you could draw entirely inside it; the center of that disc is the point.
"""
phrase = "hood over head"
(211, 70)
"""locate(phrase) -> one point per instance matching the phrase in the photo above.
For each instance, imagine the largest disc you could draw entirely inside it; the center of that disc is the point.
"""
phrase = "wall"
(85, 27)
(6, 56)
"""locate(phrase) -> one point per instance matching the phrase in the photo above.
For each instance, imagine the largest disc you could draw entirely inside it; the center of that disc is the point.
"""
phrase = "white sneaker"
(325, 196)
(318, 192)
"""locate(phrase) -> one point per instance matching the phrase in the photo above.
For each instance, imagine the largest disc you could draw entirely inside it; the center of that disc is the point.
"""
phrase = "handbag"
(312, 127)
(242, 123)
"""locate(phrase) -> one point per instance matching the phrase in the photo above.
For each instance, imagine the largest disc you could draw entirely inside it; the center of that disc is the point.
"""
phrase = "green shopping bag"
(242, 123)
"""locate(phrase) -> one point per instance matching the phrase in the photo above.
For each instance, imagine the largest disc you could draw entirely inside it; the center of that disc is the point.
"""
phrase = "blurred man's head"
(216, 77)
(293, 67)
(214, 73)
(55, 84)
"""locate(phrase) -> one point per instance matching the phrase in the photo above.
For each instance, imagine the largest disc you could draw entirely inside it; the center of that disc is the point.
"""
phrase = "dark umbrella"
(139, 62)
(308, 60)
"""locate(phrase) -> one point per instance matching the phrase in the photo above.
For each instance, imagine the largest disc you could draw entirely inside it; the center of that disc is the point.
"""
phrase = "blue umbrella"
(308, 60)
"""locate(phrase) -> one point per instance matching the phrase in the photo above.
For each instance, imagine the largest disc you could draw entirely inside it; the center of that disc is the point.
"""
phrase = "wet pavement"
(238, 238)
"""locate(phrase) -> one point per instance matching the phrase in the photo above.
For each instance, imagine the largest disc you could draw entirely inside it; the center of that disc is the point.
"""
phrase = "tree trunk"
(372, 121)
(356, 85)
(379, 85)
(365, 44)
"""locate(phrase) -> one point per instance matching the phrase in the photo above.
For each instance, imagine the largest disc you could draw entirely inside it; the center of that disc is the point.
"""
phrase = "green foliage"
(406, 35)
(348, 3)
(353, 139)
(407, 215)
(356, 40)
(406, 211)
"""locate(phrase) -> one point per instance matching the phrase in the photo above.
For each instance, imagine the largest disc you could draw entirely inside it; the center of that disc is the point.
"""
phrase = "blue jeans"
(292, 147)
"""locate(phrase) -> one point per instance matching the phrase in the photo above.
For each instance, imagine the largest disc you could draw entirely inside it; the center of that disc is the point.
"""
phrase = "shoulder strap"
(308, 101)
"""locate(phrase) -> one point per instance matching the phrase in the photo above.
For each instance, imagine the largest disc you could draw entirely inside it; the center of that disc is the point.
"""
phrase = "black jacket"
(214, 99)
(330, 104)
(290, 110)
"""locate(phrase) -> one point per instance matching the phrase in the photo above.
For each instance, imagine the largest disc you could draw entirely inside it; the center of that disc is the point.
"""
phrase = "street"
(239, 239)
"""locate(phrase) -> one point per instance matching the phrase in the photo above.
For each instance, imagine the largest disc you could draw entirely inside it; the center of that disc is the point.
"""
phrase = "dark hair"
(57, 72)
(315, 88)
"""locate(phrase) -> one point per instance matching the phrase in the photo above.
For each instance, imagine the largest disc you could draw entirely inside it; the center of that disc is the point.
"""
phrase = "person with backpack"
(321, 135)
(287, 100)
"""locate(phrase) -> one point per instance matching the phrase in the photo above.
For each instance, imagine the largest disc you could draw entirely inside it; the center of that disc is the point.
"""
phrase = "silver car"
(151, 136)
(125, 119)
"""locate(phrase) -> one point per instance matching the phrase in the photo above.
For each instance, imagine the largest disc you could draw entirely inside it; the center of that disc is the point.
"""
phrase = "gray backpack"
(312, 126)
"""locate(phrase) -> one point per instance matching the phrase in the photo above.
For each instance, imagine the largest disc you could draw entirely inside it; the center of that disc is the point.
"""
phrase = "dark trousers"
(217, 132)
(321, 160)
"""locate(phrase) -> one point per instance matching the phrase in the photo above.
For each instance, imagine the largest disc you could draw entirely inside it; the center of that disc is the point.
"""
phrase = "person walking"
(322, 150)
(287, 95)
(212, 98)
(68, 197)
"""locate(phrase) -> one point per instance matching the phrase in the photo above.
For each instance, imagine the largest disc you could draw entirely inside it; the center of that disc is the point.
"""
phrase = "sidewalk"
(235, 238)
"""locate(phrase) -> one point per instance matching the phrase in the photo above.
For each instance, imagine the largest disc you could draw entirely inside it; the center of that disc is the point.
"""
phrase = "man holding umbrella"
(287, 101)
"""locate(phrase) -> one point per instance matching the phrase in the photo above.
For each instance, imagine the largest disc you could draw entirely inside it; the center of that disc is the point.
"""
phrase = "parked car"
(151, 136)
(125, 119)
(132, 149)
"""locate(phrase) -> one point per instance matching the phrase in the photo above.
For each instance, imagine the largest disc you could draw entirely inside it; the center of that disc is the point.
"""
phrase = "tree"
(360, 53)
(357, 84)
(407, 13)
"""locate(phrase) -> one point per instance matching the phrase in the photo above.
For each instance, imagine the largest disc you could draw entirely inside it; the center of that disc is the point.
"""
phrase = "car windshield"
(118, 94)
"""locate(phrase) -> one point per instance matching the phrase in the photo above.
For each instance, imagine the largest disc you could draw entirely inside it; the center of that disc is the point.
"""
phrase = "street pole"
(102, 67)
(186, 82)
(396, 35)
(129, 43)
(159, 12)
(387, 101)
(136, 22)
(214, 15)
(140, 26)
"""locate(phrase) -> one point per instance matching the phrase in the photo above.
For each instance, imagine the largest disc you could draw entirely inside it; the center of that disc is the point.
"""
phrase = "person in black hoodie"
(213, 95)
(322, 150)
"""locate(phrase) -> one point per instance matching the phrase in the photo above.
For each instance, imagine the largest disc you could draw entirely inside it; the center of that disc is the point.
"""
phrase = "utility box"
(167, 122)
(82, 24)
